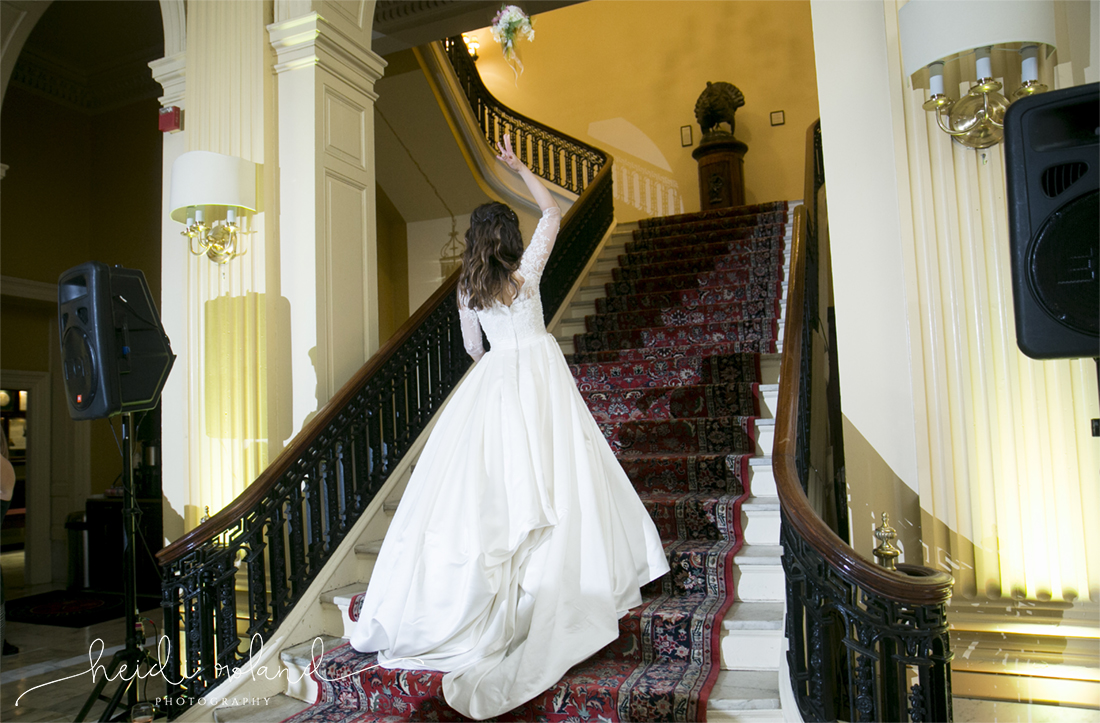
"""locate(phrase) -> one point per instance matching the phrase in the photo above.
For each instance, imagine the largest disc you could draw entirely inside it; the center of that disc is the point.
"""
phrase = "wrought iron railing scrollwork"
(234, 579)
(864, 643)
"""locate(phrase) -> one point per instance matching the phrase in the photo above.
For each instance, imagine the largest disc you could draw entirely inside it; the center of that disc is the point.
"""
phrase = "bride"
(519, 541)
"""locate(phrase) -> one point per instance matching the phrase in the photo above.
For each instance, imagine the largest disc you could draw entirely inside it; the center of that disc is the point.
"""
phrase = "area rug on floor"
(72, 608)
(670, 369)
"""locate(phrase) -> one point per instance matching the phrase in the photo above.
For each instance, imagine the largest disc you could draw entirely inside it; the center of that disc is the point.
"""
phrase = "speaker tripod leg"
(112, 671)
(1096, 422)
(130, 658)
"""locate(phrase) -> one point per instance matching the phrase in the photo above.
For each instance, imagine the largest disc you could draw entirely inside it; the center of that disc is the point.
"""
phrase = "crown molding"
(310, 40)
(171, 73)
(90, 90)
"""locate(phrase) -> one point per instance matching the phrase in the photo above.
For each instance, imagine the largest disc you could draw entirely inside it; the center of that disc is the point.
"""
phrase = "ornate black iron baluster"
(374, 443)
(296, 533)
(276, 540)
(252, 550)
(225, 611)
(435, 372)
(170, 643)
(329, 516)
(315, 534)
(389, 431)
(400, 411)
(345, 476)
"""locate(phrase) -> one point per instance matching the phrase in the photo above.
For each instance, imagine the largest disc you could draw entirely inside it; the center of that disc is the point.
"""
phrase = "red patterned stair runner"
(669, 367)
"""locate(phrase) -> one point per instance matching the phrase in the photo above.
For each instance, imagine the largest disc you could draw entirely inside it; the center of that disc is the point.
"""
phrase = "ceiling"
(93, 55)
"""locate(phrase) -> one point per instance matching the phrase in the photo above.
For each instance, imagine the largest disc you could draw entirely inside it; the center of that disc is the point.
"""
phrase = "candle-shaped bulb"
(935, 78)
(983, 64)
(198, 215)
(231, 215)
(1029, 65)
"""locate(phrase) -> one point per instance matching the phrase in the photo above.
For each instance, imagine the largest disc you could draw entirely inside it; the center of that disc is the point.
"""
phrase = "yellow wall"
(393, 268)
(79, 188)
(648, 62)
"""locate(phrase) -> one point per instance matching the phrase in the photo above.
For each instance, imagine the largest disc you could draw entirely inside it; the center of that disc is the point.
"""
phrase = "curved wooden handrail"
(263, 484)
(918, 585)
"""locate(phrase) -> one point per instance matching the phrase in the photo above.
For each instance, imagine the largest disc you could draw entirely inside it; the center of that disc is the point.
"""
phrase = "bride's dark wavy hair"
(493, 251)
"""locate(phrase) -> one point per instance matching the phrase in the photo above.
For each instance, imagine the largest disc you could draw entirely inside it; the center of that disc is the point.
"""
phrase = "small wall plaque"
(685, 136)
(778, 118)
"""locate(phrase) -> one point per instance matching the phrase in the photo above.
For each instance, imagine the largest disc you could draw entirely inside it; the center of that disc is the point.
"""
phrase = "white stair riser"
(300, 684)
(762, 481)
(765, 439)
(338, 620)
(759, 583)
(760, 527)
(769, 400)
(771, 715)
(751, 649)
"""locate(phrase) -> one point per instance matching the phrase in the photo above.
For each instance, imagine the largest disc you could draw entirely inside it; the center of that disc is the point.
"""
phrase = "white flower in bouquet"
(508, 24)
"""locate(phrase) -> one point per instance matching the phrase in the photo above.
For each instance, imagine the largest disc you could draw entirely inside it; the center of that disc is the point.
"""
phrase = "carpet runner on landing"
(670, 368)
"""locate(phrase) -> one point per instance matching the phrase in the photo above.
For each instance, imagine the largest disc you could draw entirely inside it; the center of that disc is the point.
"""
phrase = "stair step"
(758, 574)
(752, 636)
(760, 521)
(300, 685)
(744, 696)
(769, 400)
(765, 436)
(762, 477)
(368, 549)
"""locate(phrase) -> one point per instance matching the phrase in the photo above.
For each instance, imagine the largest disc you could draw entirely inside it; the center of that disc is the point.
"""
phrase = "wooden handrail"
(916, 584)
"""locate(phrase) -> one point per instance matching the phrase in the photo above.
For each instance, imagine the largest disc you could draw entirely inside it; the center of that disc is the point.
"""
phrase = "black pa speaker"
(114, 353)
(1052, 157)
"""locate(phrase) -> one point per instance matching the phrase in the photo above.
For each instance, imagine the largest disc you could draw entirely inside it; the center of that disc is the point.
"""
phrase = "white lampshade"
(213, 181)
(938, 29)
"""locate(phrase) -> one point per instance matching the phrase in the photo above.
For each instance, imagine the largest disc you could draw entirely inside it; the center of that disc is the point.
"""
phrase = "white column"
(171, 73)
(326, 74)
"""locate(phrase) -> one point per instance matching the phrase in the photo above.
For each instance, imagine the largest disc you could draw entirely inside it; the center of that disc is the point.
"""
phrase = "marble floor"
(48, 681)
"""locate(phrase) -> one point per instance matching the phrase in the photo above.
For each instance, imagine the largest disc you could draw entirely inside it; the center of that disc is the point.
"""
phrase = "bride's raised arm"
(542, 242)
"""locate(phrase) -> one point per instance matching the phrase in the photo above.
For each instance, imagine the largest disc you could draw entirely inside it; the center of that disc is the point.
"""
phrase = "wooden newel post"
(721, 173)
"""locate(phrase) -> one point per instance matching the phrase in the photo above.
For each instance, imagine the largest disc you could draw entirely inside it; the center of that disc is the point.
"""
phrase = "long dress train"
(519, 541)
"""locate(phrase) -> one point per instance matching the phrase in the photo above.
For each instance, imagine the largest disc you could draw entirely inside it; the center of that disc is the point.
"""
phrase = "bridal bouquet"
(508, 24)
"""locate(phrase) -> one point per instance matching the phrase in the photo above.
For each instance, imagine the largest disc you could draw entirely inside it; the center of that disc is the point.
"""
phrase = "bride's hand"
(508, 156)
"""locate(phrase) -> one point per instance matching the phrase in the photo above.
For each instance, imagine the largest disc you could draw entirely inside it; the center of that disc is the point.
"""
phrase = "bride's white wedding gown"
(519, 541)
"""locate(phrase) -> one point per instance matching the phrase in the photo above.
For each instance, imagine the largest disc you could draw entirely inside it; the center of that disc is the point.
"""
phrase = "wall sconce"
(934, 33)
(472, 44)
(214, 197)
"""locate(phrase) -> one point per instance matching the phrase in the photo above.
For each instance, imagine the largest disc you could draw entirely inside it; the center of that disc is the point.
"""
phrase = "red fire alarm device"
(170, 119)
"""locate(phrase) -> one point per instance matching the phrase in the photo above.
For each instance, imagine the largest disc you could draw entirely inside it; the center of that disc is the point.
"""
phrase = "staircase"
(751, 635)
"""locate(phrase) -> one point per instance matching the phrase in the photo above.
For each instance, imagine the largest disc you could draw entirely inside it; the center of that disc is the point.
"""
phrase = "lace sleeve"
(471, 330)
(542, 243)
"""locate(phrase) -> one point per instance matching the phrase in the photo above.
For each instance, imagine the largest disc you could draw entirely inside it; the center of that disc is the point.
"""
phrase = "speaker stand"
(126, 663)
(1096, 422)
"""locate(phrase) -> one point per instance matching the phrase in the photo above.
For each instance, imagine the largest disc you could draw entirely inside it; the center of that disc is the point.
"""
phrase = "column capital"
(171, 73)
(310, 40)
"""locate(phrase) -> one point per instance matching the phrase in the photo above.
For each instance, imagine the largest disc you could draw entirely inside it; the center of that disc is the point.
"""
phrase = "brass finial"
(886, 553)
(206, 516)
